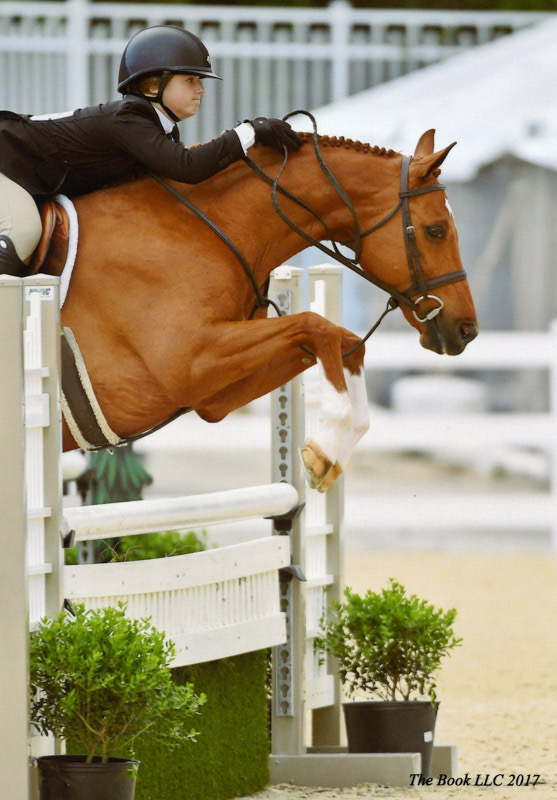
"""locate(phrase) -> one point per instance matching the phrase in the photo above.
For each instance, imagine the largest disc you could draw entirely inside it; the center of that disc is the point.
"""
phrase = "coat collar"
(166, 124)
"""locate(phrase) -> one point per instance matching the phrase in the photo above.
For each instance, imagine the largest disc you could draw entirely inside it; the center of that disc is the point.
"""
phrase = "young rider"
(161, 75)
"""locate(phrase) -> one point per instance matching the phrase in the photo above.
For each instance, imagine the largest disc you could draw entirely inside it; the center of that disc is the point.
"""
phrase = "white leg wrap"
(335, 417)
(352, 434)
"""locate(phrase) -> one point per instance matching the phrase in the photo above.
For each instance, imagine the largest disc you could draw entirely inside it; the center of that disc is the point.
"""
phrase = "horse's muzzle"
(450, 341)
(467, 332)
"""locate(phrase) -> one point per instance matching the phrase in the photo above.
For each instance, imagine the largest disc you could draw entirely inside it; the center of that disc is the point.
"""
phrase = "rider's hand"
(275, 133)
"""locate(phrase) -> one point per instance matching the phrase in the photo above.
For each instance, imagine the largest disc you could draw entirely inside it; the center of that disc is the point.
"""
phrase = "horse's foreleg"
(225, 353)
(259, 383)
(353, 432)
(321, 448)
(339, 427)
(343, 419)
(237, 362)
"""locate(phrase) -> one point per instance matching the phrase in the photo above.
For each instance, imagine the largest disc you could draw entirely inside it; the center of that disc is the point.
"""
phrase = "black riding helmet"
(163, 50)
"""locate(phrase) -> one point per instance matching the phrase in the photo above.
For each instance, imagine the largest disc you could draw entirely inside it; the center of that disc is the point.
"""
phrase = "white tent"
(497, 99)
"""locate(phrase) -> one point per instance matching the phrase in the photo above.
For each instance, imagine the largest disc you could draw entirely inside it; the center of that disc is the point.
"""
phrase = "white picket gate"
(213, 604)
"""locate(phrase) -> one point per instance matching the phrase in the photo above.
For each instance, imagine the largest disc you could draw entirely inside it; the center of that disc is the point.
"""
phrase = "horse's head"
(422, 261)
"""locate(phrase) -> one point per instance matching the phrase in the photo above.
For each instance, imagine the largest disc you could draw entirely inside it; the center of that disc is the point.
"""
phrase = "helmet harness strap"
(165, 77)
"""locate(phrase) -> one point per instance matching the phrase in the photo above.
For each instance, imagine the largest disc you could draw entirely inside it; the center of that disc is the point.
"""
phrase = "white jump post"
(31, 492)
(300, 684)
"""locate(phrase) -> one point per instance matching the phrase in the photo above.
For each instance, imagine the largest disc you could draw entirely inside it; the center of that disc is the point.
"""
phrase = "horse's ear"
(425, 144)
(424, 165)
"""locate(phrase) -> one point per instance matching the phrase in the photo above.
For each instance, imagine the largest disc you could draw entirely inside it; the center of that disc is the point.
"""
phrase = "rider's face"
(182, 95)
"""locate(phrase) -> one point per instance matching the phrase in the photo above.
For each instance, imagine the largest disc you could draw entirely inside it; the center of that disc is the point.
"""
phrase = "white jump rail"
(474, 432)
(193, 511)
(213, 604)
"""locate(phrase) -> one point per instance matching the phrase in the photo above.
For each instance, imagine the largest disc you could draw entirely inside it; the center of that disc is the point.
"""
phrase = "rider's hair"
(148, 84)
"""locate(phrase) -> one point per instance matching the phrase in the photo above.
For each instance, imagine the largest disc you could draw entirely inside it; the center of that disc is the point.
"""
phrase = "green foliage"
(117, 476)
(388, 644)
(152, 545)
(145, 546)
(102, 680)
(231, 756)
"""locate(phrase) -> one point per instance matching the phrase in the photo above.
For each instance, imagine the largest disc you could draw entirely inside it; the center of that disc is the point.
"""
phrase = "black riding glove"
(275, 133)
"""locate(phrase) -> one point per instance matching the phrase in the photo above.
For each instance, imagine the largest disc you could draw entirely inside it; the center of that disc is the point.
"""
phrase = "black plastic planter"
(392, 727)
(70, 778)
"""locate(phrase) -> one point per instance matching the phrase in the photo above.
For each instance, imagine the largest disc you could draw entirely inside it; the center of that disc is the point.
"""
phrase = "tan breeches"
(19, 217)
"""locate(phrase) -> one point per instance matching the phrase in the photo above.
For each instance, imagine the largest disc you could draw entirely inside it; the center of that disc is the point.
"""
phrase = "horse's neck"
(245, 196)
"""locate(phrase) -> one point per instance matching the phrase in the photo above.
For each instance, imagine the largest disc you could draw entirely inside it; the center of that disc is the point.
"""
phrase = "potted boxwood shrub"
(99, 680)
(389, 646)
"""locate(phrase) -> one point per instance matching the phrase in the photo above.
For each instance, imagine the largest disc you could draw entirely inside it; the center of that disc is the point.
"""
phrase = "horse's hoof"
(330, 477)
(316, 464)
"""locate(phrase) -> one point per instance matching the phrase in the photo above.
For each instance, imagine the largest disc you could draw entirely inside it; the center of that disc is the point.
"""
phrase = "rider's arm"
(139, 134)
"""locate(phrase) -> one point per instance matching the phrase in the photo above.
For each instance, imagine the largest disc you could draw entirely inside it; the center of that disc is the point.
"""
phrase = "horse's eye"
(435, 231)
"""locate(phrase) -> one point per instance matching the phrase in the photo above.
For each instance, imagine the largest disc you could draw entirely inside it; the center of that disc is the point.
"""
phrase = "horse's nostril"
(468, 331)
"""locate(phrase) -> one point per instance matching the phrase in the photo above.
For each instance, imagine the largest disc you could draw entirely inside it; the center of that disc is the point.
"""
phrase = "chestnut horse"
(162, 308)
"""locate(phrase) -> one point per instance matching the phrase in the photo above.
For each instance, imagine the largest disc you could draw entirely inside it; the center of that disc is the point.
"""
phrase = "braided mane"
(349, 144)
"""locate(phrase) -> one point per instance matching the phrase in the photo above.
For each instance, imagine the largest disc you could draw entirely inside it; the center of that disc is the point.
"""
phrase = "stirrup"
(10, 262)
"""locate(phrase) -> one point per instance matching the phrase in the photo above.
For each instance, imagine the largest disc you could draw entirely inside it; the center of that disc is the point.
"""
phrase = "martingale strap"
(261, 300)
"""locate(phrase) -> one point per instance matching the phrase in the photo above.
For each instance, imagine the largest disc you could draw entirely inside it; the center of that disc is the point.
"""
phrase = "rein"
(262, 301)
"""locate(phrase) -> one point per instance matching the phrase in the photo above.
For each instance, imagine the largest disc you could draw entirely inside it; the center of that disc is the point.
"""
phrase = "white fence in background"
(56, 56)
(472, 433)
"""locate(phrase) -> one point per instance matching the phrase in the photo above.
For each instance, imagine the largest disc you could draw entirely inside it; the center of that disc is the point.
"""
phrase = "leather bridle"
(420, 284)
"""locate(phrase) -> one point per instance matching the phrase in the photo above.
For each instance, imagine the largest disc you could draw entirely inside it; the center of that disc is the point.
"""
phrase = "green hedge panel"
(231, 755)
